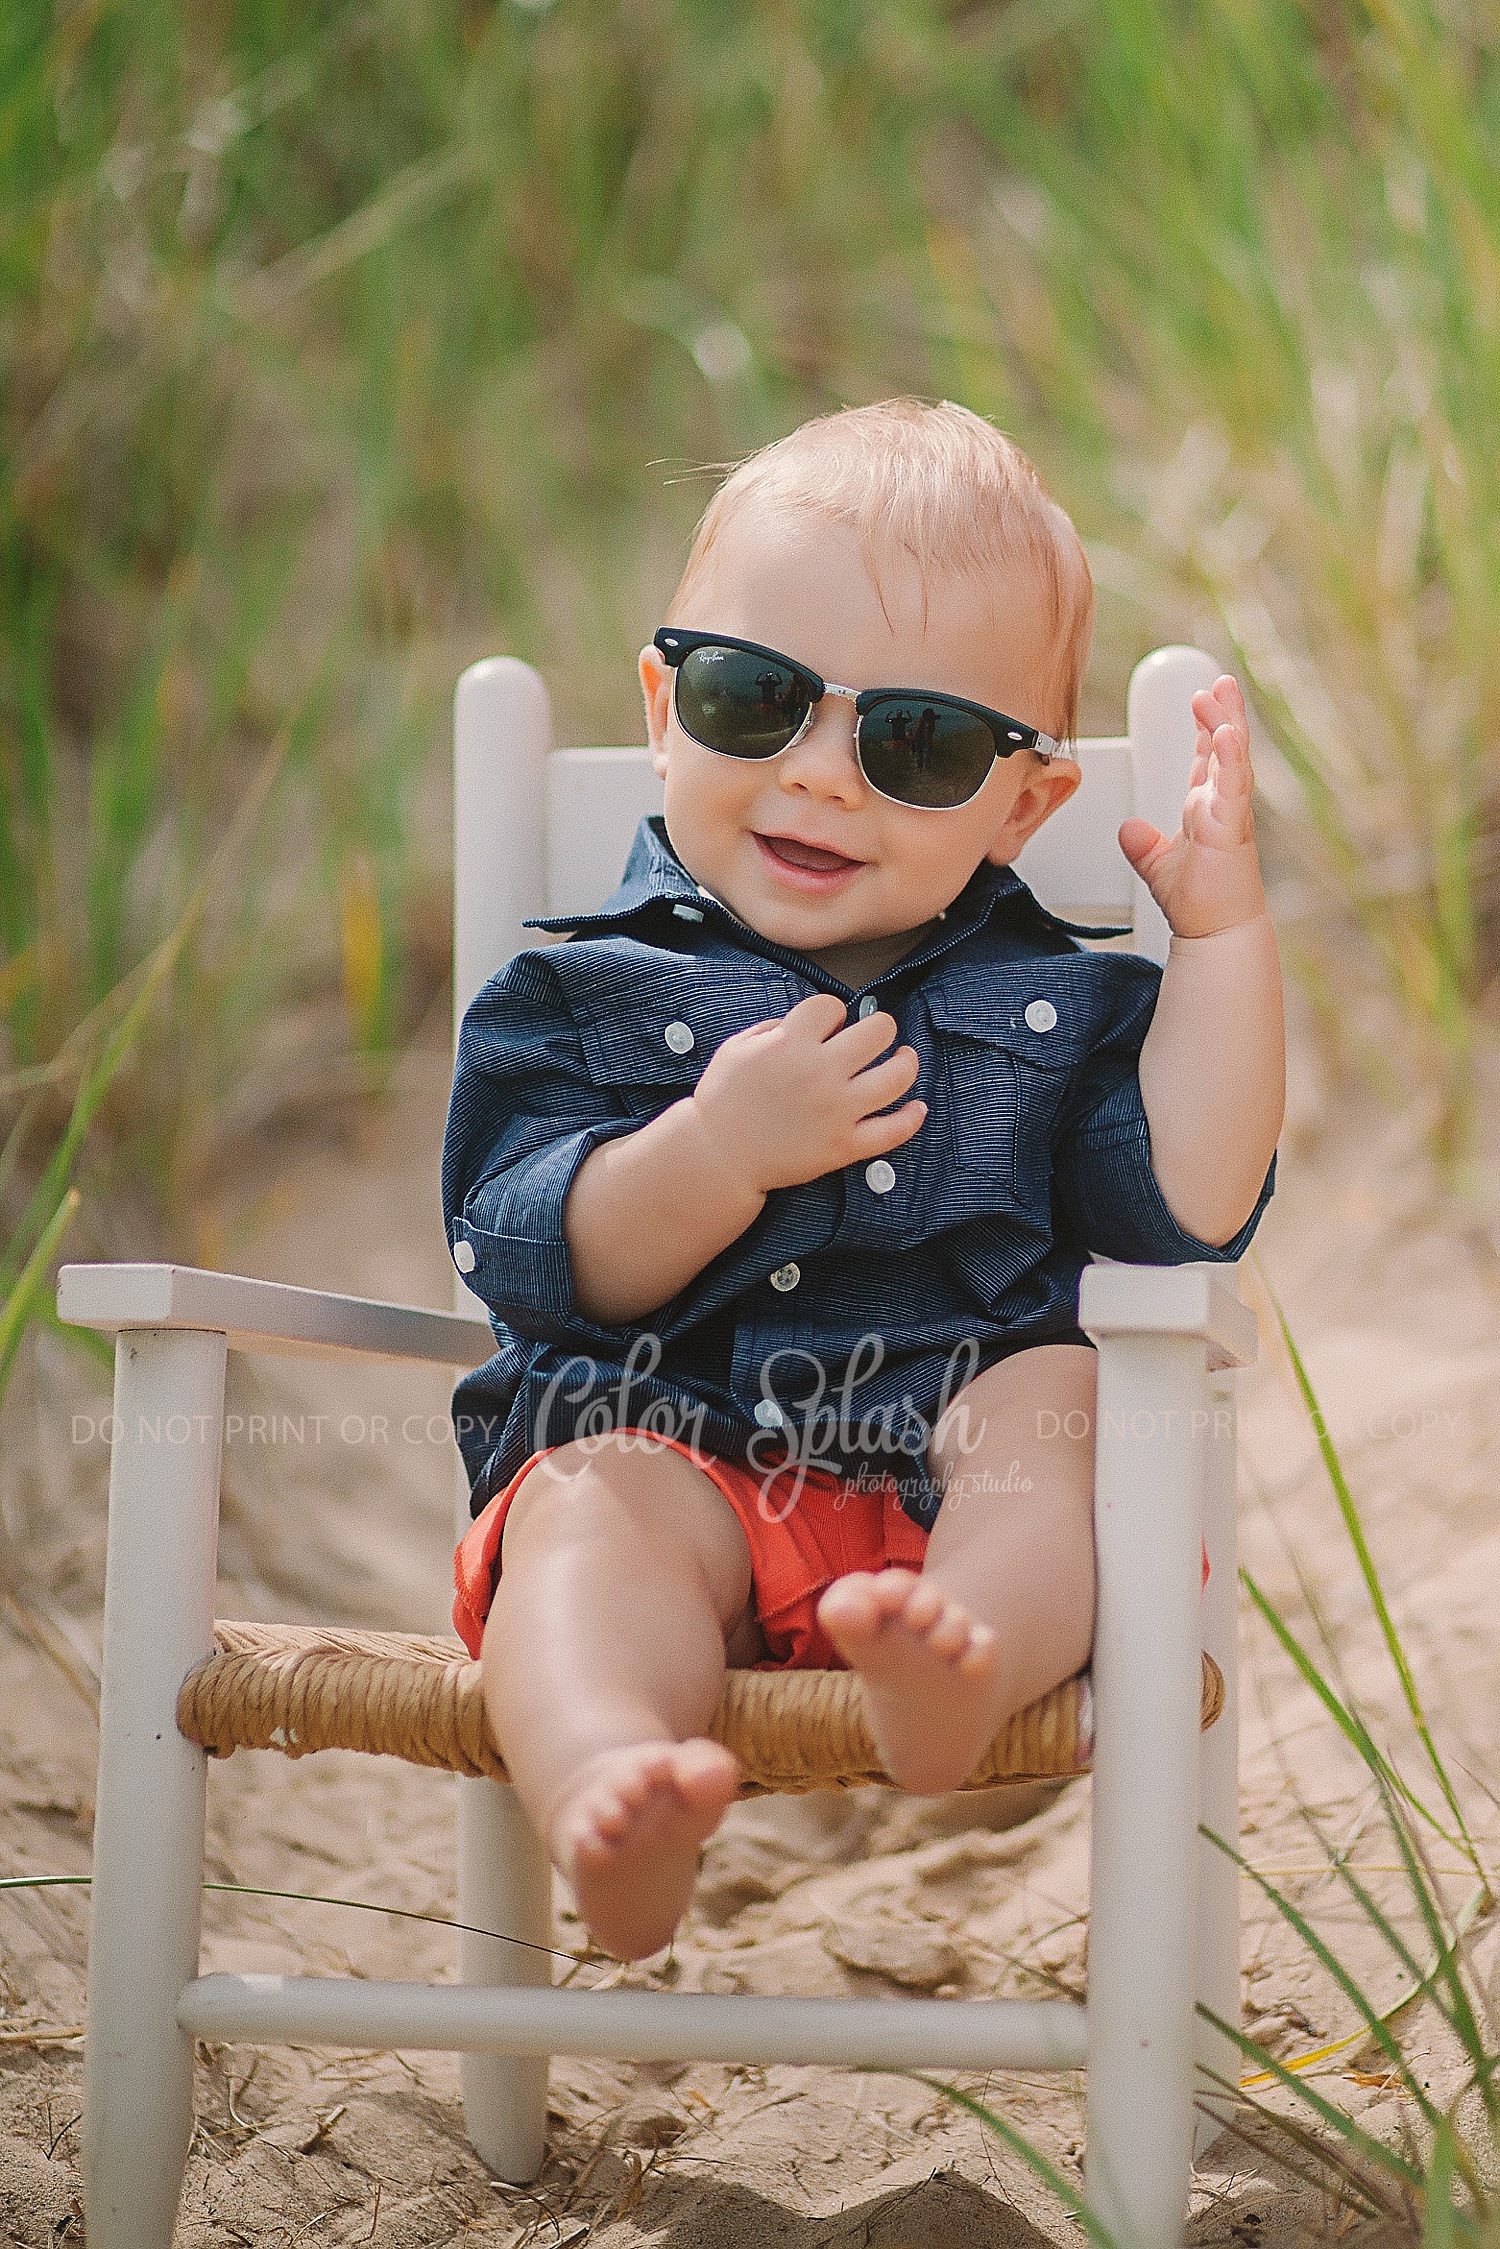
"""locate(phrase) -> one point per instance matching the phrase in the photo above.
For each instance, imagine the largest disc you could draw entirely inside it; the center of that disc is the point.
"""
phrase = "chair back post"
(1162, 735)
(149, 1807)
(502, 733)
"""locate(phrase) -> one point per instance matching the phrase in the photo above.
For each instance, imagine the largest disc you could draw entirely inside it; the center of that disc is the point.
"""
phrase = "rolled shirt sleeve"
(523, 1116)
(1108, 1193)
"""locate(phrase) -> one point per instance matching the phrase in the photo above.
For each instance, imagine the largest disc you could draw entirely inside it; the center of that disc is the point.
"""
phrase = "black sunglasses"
(913, 746)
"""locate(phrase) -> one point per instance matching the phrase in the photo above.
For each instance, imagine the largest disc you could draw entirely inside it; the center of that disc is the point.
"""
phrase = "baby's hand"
(789, 1100)
(1206, 878)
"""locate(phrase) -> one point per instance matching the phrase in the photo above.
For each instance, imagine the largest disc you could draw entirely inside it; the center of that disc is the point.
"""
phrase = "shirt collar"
(654, 876)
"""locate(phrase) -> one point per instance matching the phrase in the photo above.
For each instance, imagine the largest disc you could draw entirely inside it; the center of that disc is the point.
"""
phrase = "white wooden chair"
(539, 833)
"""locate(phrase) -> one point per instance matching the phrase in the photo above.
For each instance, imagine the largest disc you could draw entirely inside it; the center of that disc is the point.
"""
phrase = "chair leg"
(1218, 2057)
(504, 1883)
(1154, 1413)
(149, 1810)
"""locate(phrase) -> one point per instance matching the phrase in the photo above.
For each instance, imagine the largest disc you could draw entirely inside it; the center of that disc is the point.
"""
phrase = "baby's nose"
(824, 759)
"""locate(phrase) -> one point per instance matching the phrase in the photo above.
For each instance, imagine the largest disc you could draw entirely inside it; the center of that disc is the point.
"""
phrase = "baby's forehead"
(770, 543)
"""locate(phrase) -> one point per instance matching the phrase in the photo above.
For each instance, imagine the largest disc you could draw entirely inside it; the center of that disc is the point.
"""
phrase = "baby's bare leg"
(1004, 1607)
(625, 1572)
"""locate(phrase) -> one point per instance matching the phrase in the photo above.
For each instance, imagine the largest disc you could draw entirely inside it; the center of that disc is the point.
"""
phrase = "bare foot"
(929, 1671)
(628, 1834)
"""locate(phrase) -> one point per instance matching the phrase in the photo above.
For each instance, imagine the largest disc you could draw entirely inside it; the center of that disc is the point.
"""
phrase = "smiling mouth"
(807, 858)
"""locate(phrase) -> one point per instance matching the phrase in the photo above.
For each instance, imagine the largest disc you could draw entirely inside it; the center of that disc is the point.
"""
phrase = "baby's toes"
(607, 1818)
(951, 1632)
(853, 1604)
(916, 1604)
(703, 1772)
(978, 1655)
(887, 1591)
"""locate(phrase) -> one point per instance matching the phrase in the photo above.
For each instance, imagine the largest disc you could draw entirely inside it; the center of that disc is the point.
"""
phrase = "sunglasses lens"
(740, 704)
(935, 754)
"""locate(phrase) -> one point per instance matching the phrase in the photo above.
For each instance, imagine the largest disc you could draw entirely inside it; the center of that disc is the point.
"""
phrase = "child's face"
(800, 847)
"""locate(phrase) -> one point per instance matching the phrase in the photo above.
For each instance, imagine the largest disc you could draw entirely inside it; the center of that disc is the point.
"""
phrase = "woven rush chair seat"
(298, 1688)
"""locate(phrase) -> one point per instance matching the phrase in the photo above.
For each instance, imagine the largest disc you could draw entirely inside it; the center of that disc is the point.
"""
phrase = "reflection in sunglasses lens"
(926, 754)
(739, 704)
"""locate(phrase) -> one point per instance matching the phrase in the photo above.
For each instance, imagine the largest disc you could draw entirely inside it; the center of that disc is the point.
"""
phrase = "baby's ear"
(1049, 783)
(656, 686)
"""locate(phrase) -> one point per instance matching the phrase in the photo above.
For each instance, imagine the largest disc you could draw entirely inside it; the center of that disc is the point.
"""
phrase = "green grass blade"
(1386, 1928)
(1354, 1526)
(1375, 2022)
(1370, 2196)
(1438, 2214)
(87, 1341)
(1032, 2157)
(1350, 1725)
(1353, 2135)
(98, 1080)
(1447, 1936)
(20, 1300)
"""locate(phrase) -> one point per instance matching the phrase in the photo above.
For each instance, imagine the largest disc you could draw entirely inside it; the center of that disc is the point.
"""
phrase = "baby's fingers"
(876, 1136)
(859, 1042)
(820, 1016)
(885, 1082)
(1222, 704)
(1142, 845)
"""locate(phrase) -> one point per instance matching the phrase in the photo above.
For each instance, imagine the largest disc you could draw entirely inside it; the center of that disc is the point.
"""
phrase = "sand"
(1396, 1306)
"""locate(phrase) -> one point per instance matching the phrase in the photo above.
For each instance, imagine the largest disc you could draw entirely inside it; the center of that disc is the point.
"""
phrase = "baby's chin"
(805, 923)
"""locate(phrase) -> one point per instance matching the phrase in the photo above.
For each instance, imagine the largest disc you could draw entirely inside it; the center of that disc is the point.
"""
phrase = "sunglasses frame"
(1007, 734)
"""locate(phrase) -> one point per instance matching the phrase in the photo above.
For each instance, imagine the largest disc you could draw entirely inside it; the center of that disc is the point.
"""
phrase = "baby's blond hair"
(944, 485)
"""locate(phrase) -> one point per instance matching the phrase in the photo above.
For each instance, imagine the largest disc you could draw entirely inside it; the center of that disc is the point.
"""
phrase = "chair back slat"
(1073, 862)
(596, 799)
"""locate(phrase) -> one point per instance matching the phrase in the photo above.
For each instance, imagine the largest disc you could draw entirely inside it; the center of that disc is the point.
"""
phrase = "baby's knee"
(596, 1486)
(558, 1481)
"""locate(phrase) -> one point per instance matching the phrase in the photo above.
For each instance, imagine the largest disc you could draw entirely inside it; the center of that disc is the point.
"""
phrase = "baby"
(779, 1177)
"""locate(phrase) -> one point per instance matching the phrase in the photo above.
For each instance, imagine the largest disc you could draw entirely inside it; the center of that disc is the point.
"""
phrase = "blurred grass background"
(340, 344)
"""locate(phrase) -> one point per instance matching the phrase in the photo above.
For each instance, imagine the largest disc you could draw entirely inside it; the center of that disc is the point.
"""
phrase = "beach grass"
(1246, 262)
(343, 345)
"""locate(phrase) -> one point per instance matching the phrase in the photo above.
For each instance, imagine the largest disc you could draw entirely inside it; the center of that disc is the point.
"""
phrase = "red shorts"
(832, 1525)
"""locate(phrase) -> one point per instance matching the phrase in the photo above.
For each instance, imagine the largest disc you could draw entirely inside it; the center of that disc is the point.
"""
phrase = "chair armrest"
(1169, 1300)
(266, 1316)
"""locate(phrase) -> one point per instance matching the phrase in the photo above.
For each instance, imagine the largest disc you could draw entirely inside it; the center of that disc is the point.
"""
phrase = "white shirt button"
(868, 1004)
(769, 1414)
(1040, 1016)
(880, 1176)
(679, 1038)
(786, 1277)
(463, 1256)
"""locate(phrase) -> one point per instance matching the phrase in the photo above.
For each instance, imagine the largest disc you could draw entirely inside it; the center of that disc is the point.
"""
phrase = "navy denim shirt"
(838, 1326)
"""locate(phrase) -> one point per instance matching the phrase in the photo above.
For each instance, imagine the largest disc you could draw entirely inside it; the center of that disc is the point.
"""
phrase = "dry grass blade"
(31, 1614)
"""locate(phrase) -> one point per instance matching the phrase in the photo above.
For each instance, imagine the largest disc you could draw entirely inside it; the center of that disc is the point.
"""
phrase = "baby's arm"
(779, 1104)
(1213, 1067)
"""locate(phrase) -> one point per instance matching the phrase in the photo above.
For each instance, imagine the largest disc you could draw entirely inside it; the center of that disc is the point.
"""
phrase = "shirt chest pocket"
(1006, 1062)
(653, 1049)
